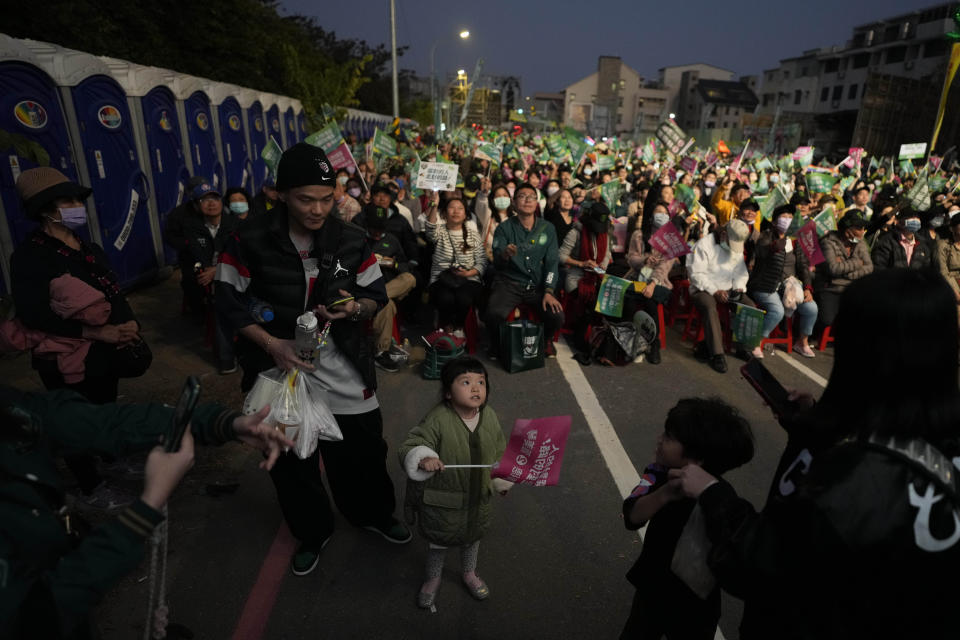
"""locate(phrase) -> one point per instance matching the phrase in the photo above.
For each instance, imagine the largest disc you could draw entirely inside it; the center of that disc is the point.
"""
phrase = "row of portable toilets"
(135, 135)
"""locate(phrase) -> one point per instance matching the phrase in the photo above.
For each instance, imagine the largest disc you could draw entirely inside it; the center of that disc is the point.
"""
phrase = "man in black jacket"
(903, 246)
(301, 258)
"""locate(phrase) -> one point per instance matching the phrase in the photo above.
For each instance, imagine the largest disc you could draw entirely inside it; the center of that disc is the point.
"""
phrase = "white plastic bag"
(314, 410)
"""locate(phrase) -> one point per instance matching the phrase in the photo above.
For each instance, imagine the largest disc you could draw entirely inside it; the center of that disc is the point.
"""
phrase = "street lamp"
(464, 34)
(672, 116)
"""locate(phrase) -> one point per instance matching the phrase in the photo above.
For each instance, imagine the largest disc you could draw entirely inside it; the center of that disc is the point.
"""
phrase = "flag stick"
(467, 466)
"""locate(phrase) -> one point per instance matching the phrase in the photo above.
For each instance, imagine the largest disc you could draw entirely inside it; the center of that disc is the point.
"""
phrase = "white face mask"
(354, 192)
(552, 190)
(660, 219)
(783, 223)
(501, 203)
(774, 179)
(709, 184)
(587, 171)
(342, 180)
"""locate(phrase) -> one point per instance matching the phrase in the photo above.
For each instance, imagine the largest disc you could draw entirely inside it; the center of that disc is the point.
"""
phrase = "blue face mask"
(72, 217)
(239, 208)
(912, 225)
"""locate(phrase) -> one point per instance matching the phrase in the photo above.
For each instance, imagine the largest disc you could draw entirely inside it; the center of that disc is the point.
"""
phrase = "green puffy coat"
(454, 505)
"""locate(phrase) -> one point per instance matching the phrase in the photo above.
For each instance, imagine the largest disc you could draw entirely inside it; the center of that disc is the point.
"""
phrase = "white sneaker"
(757, 353)
(458, 333)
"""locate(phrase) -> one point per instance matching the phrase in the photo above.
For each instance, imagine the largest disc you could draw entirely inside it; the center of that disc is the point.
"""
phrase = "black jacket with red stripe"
(261, 261)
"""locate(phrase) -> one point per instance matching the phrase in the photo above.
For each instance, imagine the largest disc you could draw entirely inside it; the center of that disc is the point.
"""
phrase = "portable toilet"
(33, 132)
(284, 107)
(193, 106)
(159, 144)
(257, 131)
(101, 123)
(301, 120)
(272, 115)
(231, 136)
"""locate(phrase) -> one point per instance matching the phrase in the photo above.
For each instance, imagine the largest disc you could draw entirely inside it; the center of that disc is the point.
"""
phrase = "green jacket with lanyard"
(536, 263)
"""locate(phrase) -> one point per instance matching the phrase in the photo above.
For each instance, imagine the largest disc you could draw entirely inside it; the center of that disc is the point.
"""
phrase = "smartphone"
(339, 302)
(183, 413)
(769, 388)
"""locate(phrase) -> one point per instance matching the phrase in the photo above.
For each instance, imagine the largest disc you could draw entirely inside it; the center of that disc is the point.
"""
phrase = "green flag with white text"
(271, 156)
(384, 144)
(771, 202)
(747, 325)
(820, 182)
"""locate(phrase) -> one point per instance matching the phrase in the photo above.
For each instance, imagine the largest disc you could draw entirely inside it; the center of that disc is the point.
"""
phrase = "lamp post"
(434, 83)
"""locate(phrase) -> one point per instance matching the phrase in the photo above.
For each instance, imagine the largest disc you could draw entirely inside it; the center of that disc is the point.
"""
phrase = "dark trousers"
(357, 474)
(712, 331)
(453, 303)
(828, 303)
(654, 620)
(505, 296)
(98, 390)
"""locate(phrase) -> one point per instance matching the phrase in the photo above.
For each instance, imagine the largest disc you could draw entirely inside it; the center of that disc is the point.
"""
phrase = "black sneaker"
(653, 353)
(228, 367)
(718, 363)
(306, 559)
(385, 362)
(396, 532)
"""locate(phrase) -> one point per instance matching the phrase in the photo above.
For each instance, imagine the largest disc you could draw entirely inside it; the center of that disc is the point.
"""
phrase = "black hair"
(493, 209)
(782, 209)
(750, 204)
(740, 186)
(465, 248)
(526, 185)
(456, 368)
(233, 190)
(711, 432)
(920, 309)
(861, 188)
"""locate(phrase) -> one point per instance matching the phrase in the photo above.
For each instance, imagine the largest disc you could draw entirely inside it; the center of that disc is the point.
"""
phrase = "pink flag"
(534, 453)
(669, 242)
(854, 157)
(807, 237)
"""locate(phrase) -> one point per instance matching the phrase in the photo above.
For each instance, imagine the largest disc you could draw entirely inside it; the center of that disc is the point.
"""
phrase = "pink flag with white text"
(810, 244)
(534, 453)
(668, 241)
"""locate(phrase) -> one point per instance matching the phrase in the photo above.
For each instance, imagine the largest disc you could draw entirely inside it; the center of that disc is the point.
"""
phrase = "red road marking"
(263, 595)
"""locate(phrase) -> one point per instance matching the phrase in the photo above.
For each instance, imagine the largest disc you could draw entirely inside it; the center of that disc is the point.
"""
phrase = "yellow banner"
(951, 71)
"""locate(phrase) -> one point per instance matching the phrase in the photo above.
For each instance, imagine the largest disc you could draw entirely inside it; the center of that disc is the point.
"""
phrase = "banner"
(919, 195)
(912, 150)
(747, 325)
(669, 242)
(271, 156)
(771, 202)
(384, 144)
(673, 138)
(489, 152)
(331, 141)
(826, 221)
(807, 238)
(604, 162)
(437, 176)
(534, 453)
(611, 193)
(610, 295)
(689, 164)
(854, 157)
(820, 182)
(686, 196)
(803, 156)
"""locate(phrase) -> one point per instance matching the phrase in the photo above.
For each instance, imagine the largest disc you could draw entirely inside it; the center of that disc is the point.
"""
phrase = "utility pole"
(393, 52)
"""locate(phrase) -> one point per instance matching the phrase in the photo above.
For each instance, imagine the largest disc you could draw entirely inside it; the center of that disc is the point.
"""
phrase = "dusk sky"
(553, 44)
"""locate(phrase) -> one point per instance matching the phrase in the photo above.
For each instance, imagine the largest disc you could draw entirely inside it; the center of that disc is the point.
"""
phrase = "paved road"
(555, 558)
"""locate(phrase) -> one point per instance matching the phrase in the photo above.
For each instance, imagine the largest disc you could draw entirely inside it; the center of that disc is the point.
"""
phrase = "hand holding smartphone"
(183, 413)
(769, 388)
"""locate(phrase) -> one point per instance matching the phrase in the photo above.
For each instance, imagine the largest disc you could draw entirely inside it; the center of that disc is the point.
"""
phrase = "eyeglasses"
(526, 198)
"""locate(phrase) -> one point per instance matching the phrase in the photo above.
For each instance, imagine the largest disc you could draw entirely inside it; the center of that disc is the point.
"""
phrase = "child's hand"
(431, 464)
(501, 486)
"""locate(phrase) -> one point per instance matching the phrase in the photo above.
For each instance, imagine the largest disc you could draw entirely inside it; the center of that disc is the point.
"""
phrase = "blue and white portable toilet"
(257, 131)
(285, 106)
(33, 132)
(193, 106)
(102, 127)
(301, 120)
(273, 119)
(230, 134)
(159, 146)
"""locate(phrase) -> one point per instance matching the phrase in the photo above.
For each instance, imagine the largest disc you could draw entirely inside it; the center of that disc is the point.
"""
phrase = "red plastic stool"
(661, 327)
(777, 336)
(825, 339)
(681, 307)
(471, 329)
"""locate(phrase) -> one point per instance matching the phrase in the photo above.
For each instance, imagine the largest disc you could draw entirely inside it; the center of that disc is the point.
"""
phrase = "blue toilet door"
(274, 126)
(165, 149)
(258, 139)
(203, 144)
(302, 124)
(118, 182)
(238, 168)
(290, 121)
(32, 124)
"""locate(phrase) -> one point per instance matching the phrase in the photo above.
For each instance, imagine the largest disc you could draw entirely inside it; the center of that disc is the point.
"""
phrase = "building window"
(803, 72)
(621, 102)
(824, 94)
(837, 92)
(797, 96)
(935, 48)
(786, 74)
(619, 118)
(896, 54)
(860, 60)
(852, 92)
(710, 125)
(831, 66)
(767, 98)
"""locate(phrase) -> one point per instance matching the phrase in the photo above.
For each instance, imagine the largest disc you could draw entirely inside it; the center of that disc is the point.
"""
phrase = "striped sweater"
(448, 250)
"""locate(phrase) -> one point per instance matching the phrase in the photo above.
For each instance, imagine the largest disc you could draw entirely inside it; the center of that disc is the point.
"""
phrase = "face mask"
(587, 171)
(552, 190)
(342, 180)
(660, 219)
(354, 192)
(239, 208)
(783, 223)
(501, 203)
(773, 179)
(73, 217)
(854, 240)
(936, 222)
(912, 225)
(709, 184)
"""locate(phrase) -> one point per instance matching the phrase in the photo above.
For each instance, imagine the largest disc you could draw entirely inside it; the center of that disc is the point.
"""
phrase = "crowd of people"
(363, 247)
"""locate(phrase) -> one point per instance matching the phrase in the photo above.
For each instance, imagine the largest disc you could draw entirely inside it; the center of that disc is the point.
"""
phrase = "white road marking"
(625, 476)
(802, 368)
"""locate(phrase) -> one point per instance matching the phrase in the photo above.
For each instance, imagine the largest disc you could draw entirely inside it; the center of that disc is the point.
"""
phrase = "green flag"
(610, 295)
(327, 111)
(604, 162)
(820, 182)
(906, 167)
(826, 221)
(763, 186)
(328, 138)
(687, 197)
(611, 193)
(557, 147)
(919, 195)
(764, 164)
(488, 151)
(771, 202)
(936, 183)
(271, 156)
(747, 325)
(384, 144)
(786, 164)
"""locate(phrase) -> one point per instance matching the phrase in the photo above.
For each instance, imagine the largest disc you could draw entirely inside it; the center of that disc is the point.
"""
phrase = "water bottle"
(259, 310)
(306, 336)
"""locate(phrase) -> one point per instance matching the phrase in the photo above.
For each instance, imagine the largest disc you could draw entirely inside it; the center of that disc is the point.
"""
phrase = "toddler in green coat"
(453, 506)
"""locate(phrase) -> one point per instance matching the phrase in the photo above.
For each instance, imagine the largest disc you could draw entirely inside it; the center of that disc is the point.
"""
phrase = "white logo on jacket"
(339, 268)
(921, 525)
